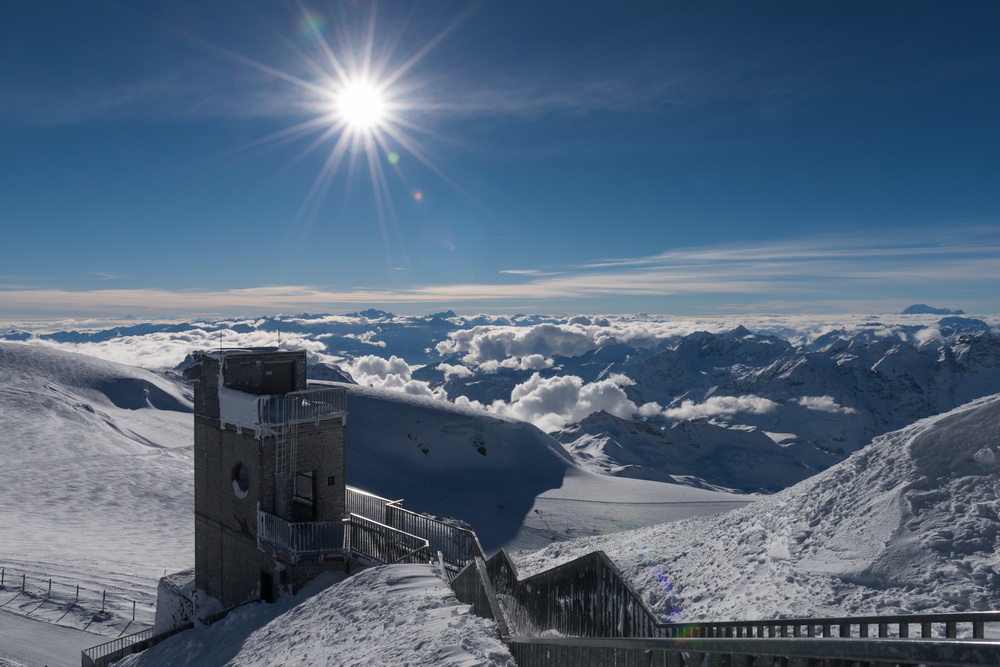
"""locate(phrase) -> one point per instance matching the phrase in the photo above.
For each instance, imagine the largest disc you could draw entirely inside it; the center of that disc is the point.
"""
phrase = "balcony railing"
(354, 536)
(298, 407)
(302, 538)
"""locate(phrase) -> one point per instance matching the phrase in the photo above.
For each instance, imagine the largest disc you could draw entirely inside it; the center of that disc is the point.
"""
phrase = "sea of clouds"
(385, 351)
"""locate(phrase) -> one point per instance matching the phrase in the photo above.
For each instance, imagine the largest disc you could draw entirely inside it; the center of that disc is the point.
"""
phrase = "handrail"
(599, 619)
(112, 651)
(458, 545)
(355, 534)
(531, 651)
(383, 543)
(845, 626)
(303, 406)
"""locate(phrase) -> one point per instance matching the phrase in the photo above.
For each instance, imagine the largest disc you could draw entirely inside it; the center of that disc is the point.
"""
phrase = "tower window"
(241, 480)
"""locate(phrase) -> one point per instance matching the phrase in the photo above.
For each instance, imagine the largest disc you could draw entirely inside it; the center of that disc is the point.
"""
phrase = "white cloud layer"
(824, 404)
(531, 348)
(721, 406)
(167, 349)
(552, 403)
(392, 373)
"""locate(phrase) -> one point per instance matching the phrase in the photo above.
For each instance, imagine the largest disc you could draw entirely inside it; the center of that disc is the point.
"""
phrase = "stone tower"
(269, 474)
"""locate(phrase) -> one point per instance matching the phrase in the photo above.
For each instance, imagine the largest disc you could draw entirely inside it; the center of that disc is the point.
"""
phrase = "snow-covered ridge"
(908, 524)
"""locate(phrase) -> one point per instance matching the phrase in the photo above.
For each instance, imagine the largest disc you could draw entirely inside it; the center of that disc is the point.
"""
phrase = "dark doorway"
(266, 587)
(304, 497)
(279, 377)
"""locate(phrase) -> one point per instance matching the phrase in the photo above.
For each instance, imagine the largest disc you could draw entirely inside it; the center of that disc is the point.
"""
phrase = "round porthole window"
(241, 480)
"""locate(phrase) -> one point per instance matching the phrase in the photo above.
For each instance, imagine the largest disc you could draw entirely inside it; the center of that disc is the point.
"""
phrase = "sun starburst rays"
(362, 95)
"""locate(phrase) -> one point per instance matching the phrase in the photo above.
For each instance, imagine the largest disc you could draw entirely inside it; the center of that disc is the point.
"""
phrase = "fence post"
(133, 610)
(104, 596)
(50, 588)
(2, 573)
(22, 582)
(77, 594)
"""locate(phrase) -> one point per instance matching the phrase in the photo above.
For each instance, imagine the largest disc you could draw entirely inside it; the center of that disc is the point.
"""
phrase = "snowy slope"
(95, 482)
(517, 486)
(394, 615)
(698, 453)
(908, 524)
(97, 473)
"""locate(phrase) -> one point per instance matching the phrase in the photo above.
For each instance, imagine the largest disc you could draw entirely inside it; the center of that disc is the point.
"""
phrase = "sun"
(361, 100)
(360, 106)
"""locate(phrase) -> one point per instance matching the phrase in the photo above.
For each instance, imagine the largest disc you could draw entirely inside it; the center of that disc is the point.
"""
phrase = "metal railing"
(309, 405)
(458, 545)
(383, 543)
(941, 625)
(300, 537)
(814, 652)
(367, 504)
(353, 536)
(113, 651)
(601, 620)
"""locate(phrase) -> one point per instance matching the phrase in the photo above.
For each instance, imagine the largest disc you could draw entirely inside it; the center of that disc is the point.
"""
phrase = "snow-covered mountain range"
(97, 469)
(800, 392)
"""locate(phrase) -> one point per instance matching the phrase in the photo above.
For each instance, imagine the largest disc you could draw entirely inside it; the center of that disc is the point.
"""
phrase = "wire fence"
(30, 594)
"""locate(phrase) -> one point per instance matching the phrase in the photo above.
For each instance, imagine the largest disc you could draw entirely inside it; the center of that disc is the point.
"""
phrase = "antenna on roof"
(220, 340)
(279, 337)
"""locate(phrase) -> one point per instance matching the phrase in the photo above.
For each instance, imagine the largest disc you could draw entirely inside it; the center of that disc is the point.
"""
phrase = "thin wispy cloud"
(796, 272)
(529, 272)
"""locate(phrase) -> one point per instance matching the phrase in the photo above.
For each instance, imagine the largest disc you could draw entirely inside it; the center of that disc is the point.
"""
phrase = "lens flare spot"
(418, 195)
(676, 608)
(393, 158)
(312, 27)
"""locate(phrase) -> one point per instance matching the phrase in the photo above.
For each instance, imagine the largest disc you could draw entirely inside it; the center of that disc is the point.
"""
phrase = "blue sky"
(173, 158)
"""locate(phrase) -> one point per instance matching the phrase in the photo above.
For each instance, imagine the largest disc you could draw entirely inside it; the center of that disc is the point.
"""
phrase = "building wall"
(228, 562)
(245, 372)
(321, 449)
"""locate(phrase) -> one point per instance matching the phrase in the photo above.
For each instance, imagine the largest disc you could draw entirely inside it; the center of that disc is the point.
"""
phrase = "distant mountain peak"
(924, 309)
(372, 314)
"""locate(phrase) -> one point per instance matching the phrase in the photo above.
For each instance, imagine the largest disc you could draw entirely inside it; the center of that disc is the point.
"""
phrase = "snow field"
(391, 615)
(907, 525)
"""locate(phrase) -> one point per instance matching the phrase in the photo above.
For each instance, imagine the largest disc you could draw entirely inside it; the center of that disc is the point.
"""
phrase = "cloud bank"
(861, 272)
